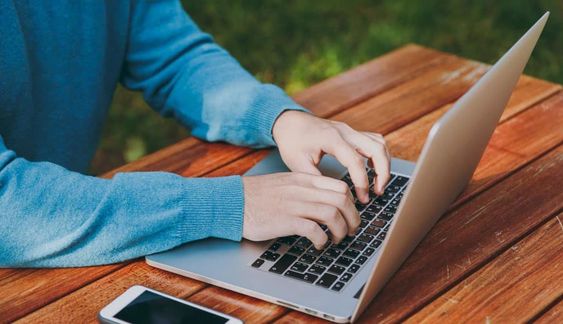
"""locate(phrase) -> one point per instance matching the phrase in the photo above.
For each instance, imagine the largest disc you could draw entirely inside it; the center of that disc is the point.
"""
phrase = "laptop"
(339, 282)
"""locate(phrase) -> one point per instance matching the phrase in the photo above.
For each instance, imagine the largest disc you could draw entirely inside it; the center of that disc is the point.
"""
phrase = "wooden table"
(497, 255)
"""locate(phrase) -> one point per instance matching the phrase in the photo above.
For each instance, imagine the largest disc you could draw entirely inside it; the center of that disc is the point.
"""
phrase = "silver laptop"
(339, 282)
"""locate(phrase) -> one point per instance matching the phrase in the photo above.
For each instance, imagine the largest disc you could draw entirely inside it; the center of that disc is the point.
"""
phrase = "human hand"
(303, 139)
(292, 203)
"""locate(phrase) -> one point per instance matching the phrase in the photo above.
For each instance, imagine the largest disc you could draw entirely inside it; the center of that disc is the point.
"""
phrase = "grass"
(295, 44)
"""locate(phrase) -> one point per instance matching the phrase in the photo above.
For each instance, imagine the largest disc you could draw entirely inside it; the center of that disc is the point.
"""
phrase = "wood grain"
(514, 287)
(552, 315)
(84, 304)
(369, 79)
(416, 97)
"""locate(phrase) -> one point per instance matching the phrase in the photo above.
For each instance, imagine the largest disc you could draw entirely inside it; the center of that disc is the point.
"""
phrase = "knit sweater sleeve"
(183, 73)
(52, 217)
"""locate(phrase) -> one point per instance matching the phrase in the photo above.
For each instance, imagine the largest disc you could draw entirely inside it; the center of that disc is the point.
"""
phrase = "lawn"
(295, 44)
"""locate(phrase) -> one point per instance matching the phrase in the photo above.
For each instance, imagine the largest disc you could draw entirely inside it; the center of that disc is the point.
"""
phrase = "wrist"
(284, 122)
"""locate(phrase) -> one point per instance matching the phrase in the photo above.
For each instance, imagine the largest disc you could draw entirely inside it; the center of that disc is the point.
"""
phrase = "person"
(60, 62)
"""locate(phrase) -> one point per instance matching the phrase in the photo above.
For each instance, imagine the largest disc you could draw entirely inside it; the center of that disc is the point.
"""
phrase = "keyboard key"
(395, 202)
(375, 209)
(386, 216)
(303, 243)
(317, 269)
(287, 240)
(307, 277)
(379, 223)
(274, 247)
(313, 251)
(296, 250)
(283, 263)
(354, 268)
(400, 181)
(365, 238)
(307, 258)
(324, 261)
(361, 260)
(391, 209)
(258, 263)
(332, 253)
(375, 244)
(360, 206)
(344, 261)
(348, 239)
(368, 215)
(351, 253)
(381, 201)
(327, 280)
(271, 256)
(298, 266)
(340, 246)
(346, 277)
(336, 269)
(360, 246)
(381, 236)
(372, 230)
(369, 251)
(363, 223)
(338, 286)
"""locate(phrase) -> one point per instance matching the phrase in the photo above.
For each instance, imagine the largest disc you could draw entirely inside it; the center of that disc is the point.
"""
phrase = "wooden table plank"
(369, 79)
(416, 97)
(86, 304)
(514, 287)
(192, 157)
(552, 315)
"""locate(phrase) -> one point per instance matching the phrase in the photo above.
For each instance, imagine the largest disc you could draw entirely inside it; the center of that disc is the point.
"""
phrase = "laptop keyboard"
(334, 266)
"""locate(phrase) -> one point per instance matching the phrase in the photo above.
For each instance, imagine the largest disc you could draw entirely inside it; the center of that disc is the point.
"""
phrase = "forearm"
(51, 217)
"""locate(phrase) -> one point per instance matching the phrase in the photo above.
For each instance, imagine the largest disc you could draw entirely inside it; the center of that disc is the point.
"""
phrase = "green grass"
(297, 43)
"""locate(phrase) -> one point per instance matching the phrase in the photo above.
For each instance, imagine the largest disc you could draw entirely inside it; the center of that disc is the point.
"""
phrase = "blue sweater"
(60, 62)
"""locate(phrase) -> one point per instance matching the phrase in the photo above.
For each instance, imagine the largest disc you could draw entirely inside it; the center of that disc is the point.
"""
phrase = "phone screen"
(149, 307)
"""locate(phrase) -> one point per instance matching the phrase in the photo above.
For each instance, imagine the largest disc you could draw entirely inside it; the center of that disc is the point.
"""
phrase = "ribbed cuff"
(218, 205)
(269, 104)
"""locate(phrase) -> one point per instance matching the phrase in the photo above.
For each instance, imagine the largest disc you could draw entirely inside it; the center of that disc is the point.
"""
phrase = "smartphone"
(139, 305)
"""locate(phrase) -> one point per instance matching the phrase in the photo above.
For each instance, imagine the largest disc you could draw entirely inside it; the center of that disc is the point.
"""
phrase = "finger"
(327, 215)
(345, 206)
(376, 151)
(304, 164)
(353, 161)
(311, 230)
(379, 138)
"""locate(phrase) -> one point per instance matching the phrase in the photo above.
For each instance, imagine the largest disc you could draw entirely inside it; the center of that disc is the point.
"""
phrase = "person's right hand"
(284, 204)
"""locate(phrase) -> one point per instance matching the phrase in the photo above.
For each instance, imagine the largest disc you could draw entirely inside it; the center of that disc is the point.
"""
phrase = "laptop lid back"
(450, 155)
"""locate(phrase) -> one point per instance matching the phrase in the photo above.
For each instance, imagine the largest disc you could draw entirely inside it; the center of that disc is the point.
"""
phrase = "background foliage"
(296, 43)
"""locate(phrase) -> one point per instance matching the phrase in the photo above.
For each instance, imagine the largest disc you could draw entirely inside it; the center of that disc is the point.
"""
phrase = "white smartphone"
(144, 305)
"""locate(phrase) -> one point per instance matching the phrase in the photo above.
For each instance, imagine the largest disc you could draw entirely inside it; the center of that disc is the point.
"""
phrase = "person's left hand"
(303, 139)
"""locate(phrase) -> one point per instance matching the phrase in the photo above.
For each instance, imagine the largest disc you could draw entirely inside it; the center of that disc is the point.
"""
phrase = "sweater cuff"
(269, 104)
(219, 204)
